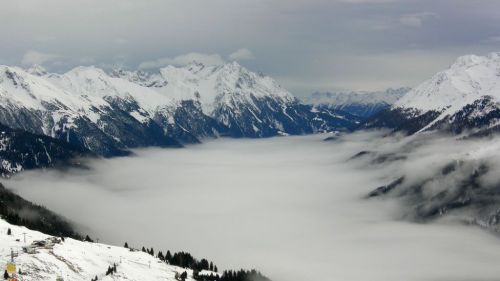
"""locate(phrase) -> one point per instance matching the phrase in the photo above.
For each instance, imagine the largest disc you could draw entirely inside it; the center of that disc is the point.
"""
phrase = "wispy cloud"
(417, 19)
(241, 54)
(35, 57)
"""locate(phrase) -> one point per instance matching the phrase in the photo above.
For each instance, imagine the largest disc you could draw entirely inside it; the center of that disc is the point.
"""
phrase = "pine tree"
(215, 268)
(126, 245)
(211, 266)
(168, 257)
(87, 239)
(143, 249)
(9, 231)
(5, 274)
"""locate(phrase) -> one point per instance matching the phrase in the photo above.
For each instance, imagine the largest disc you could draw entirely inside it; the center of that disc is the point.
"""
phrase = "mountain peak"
(37, 70)
(469, 78)
(87, 70)
(468, 60)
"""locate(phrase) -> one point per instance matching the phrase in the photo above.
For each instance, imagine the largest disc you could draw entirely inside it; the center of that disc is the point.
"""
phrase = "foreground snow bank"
(76, 260)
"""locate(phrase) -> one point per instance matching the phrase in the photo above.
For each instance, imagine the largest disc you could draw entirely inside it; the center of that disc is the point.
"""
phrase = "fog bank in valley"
(292, 207)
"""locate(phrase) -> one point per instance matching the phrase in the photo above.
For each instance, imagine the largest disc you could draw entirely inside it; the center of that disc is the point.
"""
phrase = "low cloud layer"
(293, 207)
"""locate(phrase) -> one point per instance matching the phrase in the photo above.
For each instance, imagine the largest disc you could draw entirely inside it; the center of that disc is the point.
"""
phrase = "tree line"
(186, 260)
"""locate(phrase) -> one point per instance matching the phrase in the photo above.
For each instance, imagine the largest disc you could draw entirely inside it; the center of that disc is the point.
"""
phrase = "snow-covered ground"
(76, 260)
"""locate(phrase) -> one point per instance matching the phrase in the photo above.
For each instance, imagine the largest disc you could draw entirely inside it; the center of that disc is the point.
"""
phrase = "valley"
(288, 206)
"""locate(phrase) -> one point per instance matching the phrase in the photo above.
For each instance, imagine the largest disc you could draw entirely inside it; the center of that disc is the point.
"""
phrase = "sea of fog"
(292, 207)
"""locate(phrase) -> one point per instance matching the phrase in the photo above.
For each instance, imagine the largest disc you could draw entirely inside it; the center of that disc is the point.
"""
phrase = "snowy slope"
(95, 83)
(75, 260)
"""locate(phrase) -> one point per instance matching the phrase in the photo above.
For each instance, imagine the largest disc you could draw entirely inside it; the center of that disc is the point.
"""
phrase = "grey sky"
(307, 45)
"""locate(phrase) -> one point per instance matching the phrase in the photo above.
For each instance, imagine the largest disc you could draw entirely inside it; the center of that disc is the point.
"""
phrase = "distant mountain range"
(361, 104)
(88, 110)
(109, 113)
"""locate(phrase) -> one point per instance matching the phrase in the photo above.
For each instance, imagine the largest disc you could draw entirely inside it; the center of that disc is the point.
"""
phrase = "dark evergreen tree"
(5, 275)
(211, 267)
(215, 268)
(184, 275)
(143, 249)
(87, 239)
(242, 275)
(196, 274)
(126, 245)
(9, 232)
(203, 264)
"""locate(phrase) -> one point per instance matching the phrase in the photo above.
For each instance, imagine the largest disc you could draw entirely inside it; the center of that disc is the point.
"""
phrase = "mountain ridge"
(109, 114)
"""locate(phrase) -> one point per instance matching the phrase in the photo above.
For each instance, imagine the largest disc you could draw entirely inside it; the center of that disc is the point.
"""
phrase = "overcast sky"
(307, 45)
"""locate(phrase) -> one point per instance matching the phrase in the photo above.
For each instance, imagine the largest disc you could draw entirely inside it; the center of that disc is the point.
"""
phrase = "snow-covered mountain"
(464, 97)
(246, 104)
(362, 104)
(110, 113)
